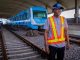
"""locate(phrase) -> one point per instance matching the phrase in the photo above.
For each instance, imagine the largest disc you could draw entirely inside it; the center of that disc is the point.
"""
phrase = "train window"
(15, 18)
(21, 17)
(25, 16)
(28, 13)
(40, 14)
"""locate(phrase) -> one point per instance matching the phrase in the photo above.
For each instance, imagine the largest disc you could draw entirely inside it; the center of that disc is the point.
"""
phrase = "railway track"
(74, 39)
(1, 46)
(16, 49)
(3, 54)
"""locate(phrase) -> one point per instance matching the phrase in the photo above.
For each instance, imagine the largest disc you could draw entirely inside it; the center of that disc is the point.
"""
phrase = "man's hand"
(46, 48)
(68, 45)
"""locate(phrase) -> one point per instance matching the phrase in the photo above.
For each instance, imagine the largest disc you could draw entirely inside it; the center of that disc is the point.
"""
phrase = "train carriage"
(34, 17)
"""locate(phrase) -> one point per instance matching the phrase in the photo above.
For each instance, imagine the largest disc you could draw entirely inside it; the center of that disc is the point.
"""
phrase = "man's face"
(57, 11)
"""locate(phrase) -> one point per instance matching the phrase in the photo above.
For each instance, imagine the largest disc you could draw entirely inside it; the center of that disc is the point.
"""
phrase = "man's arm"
(46, 28)
(45, 40)
(66, 34)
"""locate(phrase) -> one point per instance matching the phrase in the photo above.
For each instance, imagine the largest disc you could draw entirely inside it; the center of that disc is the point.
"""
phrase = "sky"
(68, 14)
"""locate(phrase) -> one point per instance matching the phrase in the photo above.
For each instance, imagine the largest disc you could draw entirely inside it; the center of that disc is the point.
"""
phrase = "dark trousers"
(54, 51)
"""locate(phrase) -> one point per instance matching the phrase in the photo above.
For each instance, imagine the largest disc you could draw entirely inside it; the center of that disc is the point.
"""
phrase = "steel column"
(76, 12)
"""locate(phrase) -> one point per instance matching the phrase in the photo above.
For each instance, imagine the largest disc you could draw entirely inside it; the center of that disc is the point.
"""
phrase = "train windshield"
(39, 14)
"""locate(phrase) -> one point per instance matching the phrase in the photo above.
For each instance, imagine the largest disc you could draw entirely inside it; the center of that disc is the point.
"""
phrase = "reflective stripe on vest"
(54, 39)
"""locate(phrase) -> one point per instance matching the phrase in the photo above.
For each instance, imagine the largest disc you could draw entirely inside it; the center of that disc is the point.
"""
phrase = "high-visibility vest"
(55, 37)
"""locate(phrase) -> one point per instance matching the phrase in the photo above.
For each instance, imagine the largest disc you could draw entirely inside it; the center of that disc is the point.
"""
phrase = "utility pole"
(46, 5)
(76, 12)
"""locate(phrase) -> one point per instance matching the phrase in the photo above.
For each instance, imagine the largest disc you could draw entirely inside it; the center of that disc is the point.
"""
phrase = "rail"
(41, 51)
(4, 54)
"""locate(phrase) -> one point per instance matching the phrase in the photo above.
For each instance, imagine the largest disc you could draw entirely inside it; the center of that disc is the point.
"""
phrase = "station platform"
(74, 30)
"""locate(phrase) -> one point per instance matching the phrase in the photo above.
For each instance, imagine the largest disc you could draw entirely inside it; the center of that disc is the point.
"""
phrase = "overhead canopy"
(11, 7)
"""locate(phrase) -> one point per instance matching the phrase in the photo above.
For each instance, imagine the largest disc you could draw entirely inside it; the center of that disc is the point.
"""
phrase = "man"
(56, 33)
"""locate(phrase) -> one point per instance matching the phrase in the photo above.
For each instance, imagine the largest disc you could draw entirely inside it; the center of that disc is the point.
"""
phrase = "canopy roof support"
(76, 12)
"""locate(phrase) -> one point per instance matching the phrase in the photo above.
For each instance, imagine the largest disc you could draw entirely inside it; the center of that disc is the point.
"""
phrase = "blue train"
(34, 17)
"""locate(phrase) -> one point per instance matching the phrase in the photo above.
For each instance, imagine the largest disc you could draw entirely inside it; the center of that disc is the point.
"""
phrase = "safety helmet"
(57, 6)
